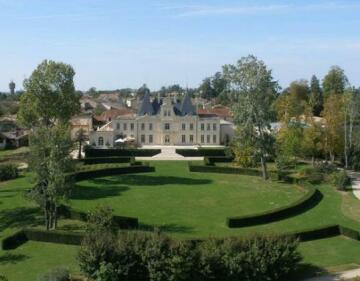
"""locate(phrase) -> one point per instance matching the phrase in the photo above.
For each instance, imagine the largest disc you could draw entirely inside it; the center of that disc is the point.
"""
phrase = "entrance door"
(167, 139)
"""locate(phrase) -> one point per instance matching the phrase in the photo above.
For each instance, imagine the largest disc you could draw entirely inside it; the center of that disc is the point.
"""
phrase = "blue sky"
(115, 44)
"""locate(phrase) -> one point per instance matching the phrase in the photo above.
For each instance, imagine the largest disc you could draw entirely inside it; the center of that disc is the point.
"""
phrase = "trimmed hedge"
(14, 241)
(8, 172)
(120, 221)
(224, 170)
(105, 172)
(317, 233)
(95, 152)
(201, 152)
(311, 198)
(217, 159)
(104, 160)
(55, 236)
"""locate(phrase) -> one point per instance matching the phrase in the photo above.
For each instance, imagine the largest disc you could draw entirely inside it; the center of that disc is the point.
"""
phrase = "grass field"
(185, 205)
(181, 203)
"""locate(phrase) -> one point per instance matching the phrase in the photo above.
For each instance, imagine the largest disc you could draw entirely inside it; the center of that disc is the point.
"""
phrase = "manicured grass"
(33, 258)
(182, 203)
(185, 205)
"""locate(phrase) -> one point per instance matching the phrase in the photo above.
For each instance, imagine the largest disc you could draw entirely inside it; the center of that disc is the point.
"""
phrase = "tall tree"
(335, 81)
(50, 95)
(254, 89)
(316, 96)
(46, 107)
(206, 90)
(333, 114)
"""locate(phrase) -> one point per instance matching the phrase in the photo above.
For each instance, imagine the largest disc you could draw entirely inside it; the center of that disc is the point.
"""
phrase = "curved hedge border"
(69, 238)
(108, 152)
(309, 200)
(201, 152)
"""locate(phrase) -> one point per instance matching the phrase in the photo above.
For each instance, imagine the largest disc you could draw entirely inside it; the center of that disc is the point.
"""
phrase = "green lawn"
(182, 203)
(185, 205)
(12, 152)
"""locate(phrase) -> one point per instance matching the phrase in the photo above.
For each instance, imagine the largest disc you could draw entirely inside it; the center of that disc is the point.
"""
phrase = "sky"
(116, 44)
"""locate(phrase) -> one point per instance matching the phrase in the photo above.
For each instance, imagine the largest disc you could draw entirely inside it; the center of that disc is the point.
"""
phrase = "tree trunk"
(313, 161)
(345, 141)
(80, 146)
(55, 217)
(264, 168)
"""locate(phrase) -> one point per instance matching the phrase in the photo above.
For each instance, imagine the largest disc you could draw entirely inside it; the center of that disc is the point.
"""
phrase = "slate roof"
(180, 108)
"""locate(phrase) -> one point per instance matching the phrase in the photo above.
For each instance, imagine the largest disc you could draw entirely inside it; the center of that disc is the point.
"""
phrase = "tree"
(334, 117)
(206, 90)
(254, 90)
(49, 96)
(316, 96)
(335, 81)
(46, 107)
(80, 137)
(312, 144)
(50, 161)
(93, 92)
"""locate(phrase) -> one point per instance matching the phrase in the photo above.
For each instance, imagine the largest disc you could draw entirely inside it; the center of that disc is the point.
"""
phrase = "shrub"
(102, 160)
(8, 172)
(93, 152)
(202, 152)
(3, 278)
(152, 257)
(312, 175)
(56, 274)
(340, 180)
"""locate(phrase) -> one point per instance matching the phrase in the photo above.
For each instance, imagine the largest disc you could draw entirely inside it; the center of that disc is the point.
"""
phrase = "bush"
(340, 180)
(312, 175)
(14, 241)
(210, 161)
(56, 274)
(8, 172)
(151, 257)
(3, 278)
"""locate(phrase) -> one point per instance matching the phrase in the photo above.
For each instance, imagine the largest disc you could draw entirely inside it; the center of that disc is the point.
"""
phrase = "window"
(142, 138)
(117, 126)
(202, 126)
(183, 126)
(202, 139)
(150, 126)
(125, 126)
(208, 127)
(208, 139)
(150, 138)
(214, 126)
(214, 138)
(167, 126)
(132, 126)
(167, 139)
(142, 126)
(191, 138)
(183, 138)
(191, 126)
(101, 141)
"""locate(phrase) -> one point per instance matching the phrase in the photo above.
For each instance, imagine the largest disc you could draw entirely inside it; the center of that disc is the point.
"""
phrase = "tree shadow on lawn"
(20, 218)
(97, 192)
(170, 227)
(9, 258)
(144, 180)
(307, 270)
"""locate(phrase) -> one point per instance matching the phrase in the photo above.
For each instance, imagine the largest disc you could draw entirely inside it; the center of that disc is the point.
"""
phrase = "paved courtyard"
(169, 153)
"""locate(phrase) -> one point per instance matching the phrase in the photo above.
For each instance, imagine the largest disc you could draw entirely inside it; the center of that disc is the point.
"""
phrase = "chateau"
(165, 121)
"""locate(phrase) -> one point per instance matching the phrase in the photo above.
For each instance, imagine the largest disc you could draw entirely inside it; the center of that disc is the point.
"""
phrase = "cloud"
(236, 9)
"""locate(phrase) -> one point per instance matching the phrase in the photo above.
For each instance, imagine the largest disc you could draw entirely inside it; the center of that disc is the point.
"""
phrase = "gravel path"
(339, 276)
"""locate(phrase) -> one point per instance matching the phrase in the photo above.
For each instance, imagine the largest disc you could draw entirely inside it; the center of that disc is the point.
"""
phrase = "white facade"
(166, 127)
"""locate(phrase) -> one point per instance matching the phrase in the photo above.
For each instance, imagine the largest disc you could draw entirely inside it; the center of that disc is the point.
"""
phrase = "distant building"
(12, 87)
(165, 121)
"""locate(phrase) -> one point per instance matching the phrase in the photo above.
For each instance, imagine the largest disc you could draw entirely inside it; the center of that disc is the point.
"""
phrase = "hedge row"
(104, 160)
(311, 198)
(120, 221)
(95, 152)
(105, 172)
(59, 237)
(217, 159)
(224, 170)
(201, 152)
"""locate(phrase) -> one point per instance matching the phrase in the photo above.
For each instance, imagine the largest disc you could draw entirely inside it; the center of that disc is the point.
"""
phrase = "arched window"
(100, 141)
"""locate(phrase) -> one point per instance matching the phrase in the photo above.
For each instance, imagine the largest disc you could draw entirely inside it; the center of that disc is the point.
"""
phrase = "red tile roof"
(111, 114)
